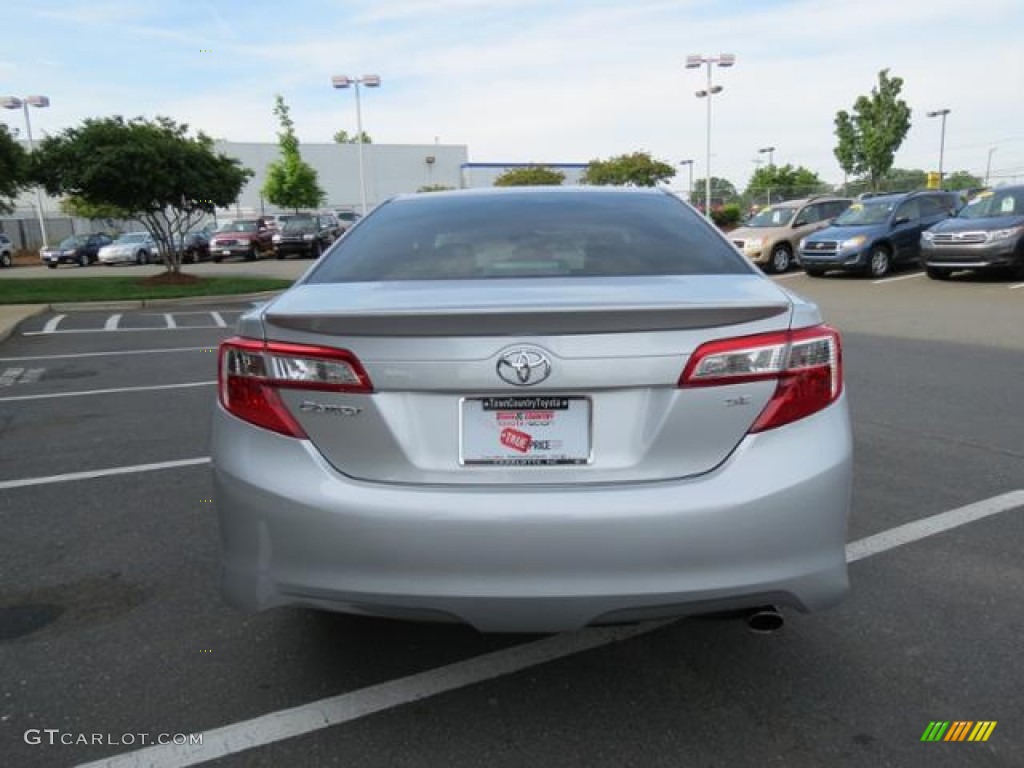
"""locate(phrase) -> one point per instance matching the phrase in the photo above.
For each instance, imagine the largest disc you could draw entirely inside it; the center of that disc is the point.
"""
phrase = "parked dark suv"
(986, 235)
(305, 235)
(877, 234)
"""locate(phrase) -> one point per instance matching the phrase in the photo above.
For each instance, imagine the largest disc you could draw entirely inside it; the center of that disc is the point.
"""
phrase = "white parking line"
(897, 279)
(52, 323)
(787, 276)
(288, 723)
(169, 319)
(114, 391)
(107, 354)
(89, 475)
(122, 330)
(1015, 287)
(218, 319)
(112, 323)
(10, 375)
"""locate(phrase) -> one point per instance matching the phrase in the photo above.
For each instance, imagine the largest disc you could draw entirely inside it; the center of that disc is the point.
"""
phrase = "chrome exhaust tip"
(764, 620)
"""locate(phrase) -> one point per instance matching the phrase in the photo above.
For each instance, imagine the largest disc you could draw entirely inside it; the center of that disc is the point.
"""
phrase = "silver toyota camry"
(533, 410)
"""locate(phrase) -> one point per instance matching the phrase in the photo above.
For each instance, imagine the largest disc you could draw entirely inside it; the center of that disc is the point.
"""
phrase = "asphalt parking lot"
(111, 624)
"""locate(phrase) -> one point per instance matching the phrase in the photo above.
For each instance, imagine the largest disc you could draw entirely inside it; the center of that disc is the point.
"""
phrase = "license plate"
(226, 252)
(525, 431)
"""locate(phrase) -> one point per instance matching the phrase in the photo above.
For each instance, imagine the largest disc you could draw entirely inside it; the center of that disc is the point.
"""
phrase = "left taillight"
(805, 363)
(250, 373)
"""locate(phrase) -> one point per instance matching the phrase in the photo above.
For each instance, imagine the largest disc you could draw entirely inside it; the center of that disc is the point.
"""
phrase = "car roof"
(569, 193)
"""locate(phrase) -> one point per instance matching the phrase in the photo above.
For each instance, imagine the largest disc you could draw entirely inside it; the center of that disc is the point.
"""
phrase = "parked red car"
(248, 238)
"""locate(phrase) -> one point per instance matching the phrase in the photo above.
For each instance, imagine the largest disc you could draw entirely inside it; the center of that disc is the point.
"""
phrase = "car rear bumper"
(767, 526)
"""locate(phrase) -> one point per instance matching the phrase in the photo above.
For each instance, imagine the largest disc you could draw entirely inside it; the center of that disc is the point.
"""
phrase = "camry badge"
(524, 366)
(308, 406)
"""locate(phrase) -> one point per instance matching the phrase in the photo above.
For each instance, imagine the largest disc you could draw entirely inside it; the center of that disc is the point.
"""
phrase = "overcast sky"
(537, 80)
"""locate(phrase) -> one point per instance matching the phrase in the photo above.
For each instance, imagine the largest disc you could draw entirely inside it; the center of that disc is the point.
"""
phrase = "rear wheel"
(5, 259)
(316, 250)
(937, 273)
(253, 254)
(51, 266)
(140, 258)
(781, 258)
(880, 262)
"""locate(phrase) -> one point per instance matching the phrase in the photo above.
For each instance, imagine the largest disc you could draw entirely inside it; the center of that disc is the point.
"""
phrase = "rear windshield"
(461, 237)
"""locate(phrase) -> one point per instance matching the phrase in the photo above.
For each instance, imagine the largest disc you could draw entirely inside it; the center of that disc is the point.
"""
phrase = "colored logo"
(958, 730)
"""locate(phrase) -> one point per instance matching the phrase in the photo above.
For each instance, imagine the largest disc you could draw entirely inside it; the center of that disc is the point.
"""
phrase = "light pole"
(370, 81)
(689, 187)
(988, 164)
(695, 61)
(942, 141)
(12, 102)
(770, 151)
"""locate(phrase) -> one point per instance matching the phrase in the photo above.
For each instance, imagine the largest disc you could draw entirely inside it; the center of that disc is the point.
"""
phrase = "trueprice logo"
(958, 730)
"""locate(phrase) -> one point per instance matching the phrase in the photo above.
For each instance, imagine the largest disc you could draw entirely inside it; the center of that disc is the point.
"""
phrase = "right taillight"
(806, 364)
(250, 373)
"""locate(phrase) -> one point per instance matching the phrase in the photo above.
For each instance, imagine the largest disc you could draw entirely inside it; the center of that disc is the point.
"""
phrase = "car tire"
(937, 273)
(83, 260)
(217, 259)
(279, 255)
(51, 266)
(316, 251)
(5, 259)
(879, 262)
(252, 254)
(780, 259)
(815, 272)
(140, 258)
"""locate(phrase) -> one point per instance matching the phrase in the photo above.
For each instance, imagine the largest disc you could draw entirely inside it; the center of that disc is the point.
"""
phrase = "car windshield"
(865, 213)
(298, 223)
(133, 237)
(529, 235)
(73, 242)
(994, 204)
(238, 226)
(776, 216)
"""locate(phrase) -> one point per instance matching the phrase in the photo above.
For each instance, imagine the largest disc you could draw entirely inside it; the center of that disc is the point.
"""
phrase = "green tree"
(342, 137)
(868, 139)
(722, 192)
(532, 176)
(14, 169)
(638, 169)
(291, 182)
(962, 180)
(775, 183)
(152, 171)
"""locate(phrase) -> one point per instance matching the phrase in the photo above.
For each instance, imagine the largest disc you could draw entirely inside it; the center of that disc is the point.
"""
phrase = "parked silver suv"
(770, 237)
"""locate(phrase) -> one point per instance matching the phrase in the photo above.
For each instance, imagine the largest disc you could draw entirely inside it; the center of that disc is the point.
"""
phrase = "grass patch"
(54, 290)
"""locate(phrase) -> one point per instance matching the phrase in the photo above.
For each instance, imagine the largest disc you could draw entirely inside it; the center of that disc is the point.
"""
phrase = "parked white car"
(132, 248)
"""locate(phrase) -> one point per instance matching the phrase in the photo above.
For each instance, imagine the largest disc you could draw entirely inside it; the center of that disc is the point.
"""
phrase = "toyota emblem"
(524, 366)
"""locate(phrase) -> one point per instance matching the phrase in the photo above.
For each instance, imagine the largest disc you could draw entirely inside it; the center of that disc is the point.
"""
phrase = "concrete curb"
(11, 315)
(235, 298)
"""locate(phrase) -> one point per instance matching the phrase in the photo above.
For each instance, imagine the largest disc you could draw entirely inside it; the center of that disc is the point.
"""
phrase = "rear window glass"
(528, 235)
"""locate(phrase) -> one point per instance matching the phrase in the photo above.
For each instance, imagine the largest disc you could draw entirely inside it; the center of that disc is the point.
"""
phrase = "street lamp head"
(370, 81)
(694, 61)
(10, 102)
(38, 101)
(938, 113)
(341, 81)
(716, 89)
(726, 59)
(686, 162)
(766, 149)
